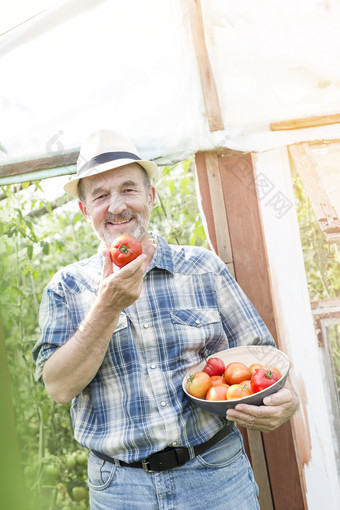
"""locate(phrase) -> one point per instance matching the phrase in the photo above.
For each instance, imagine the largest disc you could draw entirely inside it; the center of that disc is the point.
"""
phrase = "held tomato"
(214, 366)
(217, 392)
(124, 249)
(262, 379)
(237, 391)
(217, 379)
(236, 372)
(198, 384)
(254, 366)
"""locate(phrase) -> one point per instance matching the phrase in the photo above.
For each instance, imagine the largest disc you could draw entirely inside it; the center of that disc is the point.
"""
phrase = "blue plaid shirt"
(189, 306)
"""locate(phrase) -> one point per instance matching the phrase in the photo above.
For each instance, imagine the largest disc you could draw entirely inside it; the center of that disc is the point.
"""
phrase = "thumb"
(107, 264)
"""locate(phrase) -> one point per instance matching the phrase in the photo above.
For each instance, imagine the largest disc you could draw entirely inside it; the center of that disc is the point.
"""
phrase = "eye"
(100, 197)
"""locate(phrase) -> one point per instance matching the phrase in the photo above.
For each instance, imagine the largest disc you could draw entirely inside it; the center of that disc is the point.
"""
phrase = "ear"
(83, 209)
(152, 195)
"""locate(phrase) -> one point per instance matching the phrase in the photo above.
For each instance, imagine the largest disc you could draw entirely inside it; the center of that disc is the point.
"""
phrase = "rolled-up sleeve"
(55, 326)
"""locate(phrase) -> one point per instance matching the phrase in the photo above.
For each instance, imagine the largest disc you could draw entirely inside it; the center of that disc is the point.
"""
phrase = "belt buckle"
(145, 464)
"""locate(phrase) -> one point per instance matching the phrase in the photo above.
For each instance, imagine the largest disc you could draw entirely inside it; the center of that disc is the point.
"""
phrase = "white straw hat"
(105, 150)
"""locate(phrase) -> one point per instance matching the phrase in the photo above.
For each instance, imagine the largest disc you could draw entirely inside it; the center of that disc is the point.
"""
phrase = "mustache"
(125, 215)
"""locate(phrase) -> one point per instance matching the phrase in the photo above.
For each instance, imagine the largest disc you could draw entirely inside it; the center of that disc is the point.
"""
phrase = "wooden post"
(212, 104)
(272, 455)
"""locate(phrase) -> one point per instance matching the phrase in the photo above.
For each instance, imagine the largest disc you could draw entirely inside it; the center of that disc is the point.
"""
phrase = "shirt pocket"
(195, 317)
(122, 323)
(196, 331)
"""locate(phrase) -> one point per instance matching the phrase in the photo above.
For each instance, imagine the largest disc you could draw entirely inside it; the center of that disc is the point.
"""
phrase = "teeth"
(119, 222)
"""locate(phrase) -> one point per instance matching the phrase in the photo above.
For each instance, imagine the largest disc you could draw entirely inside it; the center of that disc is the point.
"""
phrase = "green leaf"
(29, 249)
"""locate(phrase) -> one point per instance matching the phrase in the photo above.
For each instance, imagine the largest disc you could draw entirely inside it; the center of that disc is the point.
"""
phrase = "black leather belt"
(171, 457)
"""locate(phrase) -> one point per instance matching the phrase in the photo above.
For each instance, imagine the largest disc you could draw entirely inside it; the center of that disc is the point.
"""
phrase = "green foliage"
(322, 260)
(33, 248)
(322, 264)
(175, 215)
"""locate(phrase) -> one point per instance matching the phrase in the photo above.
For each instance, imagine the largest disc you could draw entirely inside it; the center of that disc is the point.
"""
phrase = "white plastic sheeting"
(131, 66)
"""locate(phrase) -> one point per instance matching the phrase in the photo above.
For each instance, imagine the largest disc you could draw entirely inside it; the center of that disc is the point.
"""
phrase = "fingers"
(132, 268)
(277, 409)
(283, 396)
(107, 264)
(124, 272)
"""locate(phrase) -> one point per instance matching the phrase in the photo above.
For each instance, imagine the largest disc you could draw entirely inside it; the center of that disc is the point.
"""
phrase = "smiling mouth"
(119, 222)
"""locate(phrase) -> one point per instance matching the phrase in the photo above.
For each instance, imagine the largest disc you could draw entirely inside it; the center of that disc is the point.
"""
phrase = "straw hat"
(105, 150)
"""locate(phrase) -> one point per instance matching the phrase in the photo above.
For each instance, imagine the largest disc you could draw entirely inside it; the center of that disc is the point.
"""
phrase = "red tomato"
(198, 384)
(254, 366)
(124, 249)
(217, 379)
(217, 392)
(236, 372)
(247, 384)
(214, 366)
(274, 369)
(262, 379)
(237, 391)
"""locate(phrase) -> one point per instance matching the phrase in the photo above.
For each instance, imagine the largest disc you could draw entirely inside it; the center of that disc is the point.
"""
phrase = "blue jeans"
(221, 478)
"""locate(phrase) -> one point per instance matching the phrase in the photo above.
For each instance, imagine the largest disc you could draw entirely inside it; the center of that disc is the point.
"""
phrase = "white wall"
(311, 424)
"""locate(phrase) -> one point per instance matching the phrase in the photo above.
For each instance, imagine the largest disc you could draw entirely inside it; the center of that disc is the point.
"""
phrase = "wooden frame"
(211, 101)
(305, 122)
(279, 482)
(37, 163)
(307, 168)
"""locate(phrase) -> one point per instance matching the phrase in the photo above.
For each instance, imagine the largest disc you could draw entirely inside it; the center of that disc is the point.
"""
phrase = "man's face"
(118, 202)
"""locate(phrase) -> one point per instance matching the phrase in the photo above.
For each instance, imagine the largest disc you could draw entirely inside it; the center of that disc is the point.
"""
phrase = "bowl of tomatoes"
(245, 374)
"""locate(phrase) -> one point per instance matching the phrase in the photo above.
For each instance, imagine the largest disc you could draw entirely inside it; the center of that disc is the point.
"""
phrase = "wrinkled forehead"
(131, 173)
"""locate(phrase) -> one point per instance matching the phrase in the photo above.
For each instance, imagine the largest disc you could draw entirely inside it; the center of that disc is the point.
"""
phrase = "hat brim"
(71, 187)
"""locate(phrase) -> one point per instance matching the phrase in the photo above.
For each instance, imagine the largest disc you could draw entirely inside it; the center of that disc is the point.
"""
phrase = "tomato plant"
(214, 366)
(125, 249)
(198, 384)
(236, 391)
(217, 392)
(262, 379)
(236, 372)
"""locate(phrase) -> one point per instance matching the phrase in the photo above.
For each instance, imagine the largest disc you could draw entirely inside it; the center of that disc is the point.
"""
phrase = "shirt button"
(174, 443)
(197, 321)
(163, 404)
(146, 325)
(153, 365)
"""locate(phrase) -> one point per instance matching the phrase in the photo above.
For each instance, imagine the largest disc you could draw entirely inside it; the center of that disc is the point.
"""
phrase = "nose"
(117, 204)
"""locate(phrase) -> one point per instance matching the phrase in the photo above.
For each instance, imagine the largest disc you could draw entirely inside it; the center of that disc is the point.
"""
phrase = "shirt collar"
(163, 256)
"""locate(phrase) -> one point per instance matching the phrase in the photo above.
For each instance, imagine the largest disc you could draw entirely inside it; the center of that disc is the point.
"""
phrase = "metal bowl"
(267, 356)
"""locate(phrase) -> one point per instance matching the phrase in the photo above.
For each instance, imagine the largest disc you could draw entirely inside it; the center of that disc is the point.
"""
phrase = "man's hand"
(72, 367)
(277, 409)
(119, 290)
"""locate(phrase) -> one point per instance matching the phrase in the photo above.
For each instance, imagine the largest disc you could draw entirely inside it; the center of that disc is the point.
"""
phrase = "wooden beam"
(208, 175)
(307, 168)
(252, 274)
(36, 163)
(218, 208)
(211, 101)
(305, 122)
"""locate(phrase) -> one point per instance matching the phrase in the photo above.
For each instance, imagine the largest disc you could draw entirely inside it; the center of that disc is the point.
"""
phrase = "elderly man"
(119, 342)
